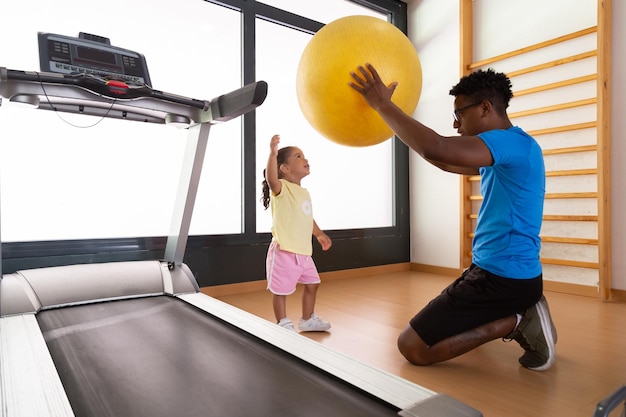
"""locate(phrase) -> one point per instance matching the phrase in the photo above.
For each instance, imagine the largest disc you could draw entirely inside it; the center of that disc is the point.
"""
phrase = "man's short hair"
(489, 85)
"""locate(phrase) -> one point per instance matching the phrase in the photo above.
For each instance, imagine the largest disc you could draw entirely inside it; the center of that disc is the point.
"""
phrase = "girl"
(289, 258)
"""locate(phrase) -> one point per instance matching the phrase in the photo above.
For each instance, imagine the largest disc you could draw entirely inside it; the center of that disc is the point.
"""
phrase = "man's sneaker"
(314, 324)
(554, 335)
(285, 323)
(536, 334)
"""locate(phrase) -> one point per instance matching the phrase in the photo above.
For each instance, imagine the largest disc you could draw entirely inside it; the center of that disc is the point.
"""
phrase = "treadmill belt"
(159, 356)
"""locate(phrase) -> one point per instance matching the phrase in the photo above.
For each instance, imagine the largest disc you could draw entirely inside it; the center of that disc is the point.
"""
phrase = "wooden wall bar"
(576, 238)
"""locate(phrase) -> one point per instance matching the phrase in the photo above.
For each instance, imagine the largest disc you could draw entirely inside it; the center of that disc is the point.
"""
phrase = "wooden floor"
(367, 313)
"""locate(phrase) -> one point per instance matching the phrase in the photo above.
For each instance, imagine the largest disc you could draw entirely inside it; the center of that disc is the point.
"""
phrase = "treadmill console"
(92, 55)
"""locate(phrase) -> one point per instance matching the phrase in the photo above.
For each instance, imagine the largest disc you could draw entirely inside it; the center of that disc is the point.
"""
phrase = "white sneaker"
(285, 323)
(314, 324)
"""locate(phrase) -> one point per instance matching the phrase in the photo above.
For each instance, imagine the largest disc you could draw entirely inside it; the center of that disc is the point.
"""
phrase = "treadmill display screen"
(93, 55)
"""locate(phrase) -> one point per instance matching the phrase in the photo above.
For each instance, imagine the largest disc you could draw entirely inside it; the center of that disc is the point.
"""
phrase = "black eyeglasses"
(457, 112)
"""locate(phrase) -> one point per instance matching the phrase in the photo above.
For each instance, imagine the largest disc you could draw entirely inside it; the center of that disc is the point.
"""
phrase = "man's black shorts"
(475, 298)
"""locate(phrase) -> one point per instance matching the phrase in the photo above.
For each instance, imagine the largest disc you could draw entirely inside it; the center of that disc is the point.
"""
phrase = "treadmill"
(138, 338)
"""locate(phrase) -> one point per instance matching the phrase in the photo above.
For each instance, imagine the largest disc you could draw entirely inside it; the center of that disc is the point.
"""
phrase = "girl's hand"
(274, 144)
(324, 240)
(271, 169)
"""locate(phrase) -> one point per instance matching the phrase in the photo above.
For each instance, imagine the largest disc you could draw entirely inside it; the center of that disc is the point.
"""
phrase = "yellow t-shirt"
(292, 219)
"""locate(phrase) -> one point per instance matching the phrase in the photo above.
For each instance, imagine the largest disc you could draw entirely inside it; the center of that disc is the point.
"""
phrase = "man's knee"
(413, 348)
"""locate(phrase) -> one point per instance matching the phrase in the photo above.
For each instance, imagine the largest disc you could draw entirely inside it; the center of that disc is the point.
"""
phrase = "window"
(324, 11)
(83, 189)
(66, 176)
(342, 178)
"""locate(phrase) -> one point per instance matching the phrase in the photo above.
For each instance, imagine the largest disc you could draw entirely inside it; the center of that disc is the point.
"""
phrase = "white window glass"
(324, 11)
(350, 187)
(116, 178)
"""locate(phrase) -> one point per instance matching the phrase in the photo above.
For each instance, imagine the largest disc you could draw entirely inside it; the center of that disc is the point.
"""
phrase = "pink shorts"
(286, 269)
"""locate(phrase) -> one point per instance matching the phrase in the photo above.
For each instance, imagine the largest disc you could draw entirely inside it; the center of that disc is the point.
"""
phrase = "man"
(500, 295)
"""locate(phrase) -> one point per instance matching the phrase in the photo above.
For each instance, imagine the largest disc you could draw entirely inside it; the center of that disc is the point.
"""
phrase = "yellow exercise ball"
(326, 99)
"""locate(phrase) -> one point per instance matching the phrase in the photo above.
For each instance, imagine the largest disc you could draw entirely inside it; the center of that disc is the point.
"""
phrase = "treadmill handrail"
(91, 95)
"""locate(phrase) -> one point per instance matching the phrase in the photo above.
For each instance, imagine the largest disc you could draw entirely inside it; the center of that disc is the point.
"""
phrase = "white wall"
(434, 197)
(435, 202)
(618, 145)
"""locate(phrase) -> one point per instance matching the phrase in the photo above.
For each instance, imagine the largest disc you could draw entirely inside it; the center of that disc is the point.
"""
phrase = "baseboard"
(365, 272)
(554, 286)
(619, 296)
(439, 270)
(252, 286)
(569, 288)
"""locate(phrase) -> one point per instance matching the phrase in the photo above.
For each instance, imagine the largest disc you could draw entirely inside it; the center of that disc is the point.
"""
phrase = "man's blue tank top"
(506, 240)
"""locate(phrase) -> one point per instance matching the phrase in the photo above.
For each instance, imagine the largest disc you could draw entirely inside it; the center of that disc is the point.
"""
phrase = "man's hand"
(369, 84)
